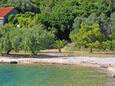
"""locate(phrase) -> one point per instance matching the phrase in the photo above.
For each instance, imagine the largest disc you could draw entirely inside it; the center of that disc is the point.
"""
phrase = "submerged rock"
(13, 62)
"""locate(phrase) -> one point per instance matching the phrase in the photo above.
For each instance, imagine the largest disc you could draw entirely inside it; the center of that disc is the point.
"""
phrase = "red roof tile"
(5, 11)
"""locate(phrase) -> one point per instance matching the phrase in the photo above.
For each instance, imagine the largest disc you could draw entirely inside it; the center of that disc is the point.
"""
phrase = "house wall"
(1, 21)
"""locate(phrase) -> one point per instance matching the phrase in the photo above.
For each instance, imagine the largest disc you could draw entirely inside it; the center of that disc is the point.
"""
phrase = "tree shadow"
(33, 56)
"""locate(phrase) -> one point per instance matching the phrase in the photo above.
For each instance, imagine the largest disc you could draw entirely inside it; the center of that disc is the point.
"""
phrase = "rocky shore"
(106, 63)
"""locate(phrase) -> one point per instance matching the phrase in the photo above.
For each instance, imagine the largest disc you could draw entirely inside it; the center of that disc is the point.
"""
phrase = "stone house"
(5, 12)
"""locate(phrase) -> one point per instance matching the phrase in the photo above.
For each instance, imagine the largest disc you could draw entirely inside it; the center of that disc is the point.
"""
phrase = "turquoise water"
(50, 75)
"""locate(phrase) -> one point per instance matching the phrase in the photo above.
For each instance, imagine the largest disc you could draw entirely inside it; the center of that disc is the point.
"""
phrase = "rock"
(113, 76)
(104, 66)
(13, 62)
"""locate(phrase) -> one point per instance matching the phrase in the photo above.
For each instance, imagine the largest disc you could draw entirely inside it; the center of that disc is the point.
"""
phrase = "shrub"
(60, 44)
(88, 36)
(106, 45)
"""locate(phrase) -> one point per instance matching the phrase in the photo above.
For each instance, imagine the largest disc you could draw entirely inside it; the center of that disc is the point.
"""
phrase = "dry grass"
(68, 51)
(85, 53)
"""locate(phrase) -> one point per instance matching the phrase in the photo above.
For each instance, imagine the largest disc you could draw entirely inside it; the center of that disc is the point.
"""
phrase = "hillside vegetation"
(87, 23)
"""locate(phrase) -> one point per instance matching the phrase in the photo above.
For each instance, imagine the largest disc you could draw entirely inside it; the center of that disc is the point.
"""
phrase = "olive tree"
(25, 39)
(36, 39)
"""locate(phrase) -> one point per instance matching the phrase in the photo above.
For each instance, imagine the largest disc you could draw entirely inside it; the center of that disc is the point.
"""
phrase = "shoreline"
(105, 63)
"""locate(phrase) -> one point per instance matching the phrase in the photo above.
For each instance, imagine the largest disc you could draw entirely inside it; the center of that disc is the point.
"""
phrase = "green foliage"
(106, 45)
(36, 39)
(112, 19)
(67, 17)
(21, 5)
(88, 36)
(60, 16)
(113, 35)
(28, 19)
(76, 25)
(25, 39)
(5, 44)
(113, 44)
(60, 44)
(58, 12)
(94, 44)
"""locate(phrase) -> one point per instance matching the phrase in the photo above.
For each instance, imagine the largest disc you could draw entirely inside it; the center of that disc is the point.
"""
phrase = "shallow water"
(50, 75)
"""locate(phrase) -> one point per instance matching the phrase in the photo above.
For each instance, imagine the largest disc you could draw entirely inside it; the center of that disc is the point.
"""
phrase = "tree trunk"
(111, 47)
(34, 53)
(59, 50)
(91, 50)
(8, 52)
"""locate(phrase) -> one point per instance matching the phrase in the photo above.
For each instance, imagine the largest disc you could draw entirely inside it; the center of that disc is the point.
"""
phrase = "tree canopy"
(25, 39)
(66, 18)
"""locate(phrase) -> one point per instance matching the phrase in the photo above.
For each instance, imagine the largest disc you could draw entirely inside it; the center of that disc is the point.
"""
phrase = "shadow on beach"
(48, 55)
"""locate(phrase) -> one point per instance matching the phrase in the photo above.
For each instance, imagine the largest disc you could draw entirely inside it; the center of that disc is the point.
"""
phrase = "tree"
(24, 5)
(36, 39)
(112, 20)
(60, 16)
(64, 17)
(25, 39)
(5, 44)
(113, 44)
(76, 25)
(88, 36)
(60, 44)
(106, 45)
(92, 18)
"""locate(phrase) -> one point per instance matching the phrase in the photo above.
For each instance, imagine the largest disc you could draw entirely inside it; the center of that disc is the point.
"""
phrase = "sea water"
(50, 75)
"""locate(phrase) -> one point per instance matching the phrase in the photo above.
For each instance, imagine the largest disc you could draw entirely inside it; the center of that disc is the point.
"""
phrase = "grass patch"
(66, 51)
(75, 51)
